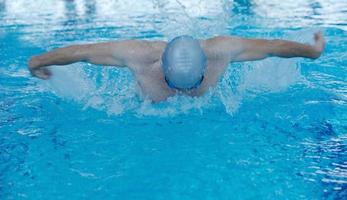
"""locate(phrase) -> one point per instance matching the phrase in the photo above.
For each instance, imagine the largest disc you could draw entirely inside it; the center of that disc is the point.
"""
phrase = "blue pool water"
(271, 129)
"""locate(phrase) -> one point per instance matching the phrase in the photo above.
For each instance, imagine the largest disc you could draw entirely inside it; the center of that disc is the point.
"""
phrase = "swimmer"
(184, 66)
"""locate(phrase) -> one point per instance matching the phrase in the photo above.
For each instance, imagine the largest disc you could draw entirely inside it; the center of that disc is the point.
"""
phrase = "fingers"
(47, 72)
(33, 62)
(42, 73)
(319, 43)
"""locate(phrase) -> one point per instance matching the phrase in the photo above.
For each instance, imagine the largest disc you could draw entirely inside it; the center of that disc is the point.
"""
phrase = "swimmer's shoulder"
(157, 44)
(138, 43)
(149, 51)
(217, 46)
(219, 40)
(155, 48)
(150, 46)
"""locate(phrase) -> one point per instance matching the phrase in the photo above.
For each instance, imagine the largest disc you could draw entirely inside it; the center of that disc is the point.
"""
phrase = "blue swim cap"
(184, 63)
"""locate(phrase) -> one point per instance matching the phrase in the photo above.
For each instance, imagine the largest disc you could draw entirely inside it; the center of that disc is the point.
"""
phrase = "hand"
(36, 70)
(319, 44)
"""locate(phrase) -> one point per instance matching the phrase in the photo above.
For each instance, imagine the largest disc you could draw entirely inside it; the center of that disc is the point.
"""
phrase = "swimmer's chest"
(153, 85)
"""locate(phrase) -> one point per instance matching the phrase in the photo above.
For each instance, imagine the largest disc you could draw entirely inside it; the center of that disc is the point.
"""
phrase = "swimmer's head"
(184, 63)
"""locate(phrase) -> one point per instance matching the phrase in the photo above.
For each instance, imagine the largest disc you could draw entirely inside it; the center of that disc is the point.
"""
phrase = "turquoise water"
(271, 129)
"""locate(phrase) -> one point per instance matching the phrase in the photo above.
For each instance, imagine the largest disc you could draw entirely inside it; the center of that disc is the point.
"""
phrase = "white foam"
(71, 82)
(113, 90)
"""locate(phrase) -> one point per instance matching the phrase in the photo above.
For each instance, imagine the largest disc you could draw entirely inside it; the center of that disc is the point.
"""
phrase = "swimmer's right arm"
(117, 53)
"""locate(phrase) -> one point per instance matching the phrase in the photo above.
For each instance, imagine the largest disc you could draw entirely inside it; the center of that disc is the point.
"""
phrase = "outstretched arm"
(118, 53)
(235, 49)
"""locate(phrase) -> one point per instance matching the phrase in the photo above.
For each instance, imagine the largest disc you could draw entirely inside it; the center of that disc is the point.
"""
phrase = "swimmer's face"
(184, 63)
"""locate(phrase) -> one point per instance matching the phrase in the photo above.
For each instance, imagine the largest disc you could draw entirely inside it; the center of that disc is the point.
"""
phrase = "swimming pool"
(272, 129)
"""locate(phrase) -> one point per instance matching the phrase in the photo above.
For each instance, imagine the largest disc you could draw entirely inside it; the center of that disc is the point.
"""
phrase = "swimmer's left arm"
(239, 49)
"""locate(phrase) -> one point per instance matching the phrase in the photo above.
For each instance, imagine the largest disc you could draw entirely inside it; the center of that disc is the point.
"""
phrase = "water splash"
(200, 18)
(114, 90)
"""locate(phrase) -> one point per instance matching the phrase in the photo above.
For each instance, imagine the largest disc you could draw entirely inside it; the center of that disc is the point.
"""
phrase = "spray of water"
(114, 90)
